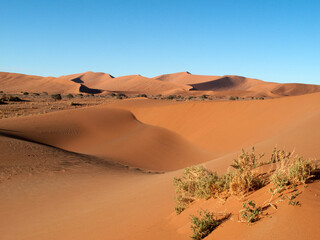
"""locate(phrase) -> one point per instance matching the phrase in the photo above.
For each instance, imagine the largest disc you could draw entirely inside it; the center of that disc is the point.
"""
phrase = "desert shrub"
(250, 212)
(244, 179)
(56, 96)
(171, 97)
(25, 93)
(204, 96)
(232, 98)
(142, 95)
(203, 225)
(195, 183)
(121, 96)
(11, 99)
(45, 93)
(69, 96)
(277, 155)
(198, 182)
(291, 170)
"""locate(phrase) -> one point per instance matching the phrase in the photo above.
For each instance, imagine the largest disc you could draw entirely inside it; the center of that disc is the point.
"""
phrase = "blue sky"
(266, 39)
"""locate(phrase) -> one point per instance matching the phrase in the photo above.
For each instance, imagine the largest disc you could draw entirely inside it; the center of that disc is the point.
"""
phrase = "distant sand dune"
(183, 83)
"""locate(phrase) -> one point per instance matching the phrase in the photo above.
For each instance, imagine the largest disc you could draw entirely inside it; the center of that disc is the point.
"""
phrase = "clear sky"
(273, 40)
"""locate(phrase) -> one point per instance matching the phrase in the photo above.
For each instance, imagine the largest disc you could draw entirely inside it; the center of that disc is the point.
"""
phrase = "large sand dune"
(183, 83)
(76, 174)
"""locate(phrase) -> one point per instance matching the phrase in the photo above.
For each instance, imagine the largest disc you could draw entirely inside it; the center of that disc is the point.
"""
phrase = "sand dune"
(224, 127)
(112, 134)
(63, 174)
(185, 78)
(183, 83)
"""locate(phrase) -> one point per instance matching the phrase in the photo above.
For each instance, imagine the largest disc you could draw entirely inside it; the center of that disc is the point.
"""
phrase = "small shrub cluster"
(10, 99)
(142, 95)
(250, 212)
(233, 98)
(56, 96)
(203, 225)
(292, 170)
(198, 182)
(69, 96)
(119, 95)
(244, 179)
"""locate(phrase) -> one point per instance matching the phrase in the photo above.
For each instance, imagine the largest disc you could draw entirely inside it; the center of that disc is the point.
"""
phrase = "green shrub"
(250, 212)
(56, 96)
(203, 225)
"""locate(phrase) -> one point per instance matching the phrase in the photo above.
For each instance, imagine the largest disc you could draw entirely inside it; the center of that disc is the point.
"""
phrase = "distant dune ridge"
(183, 83)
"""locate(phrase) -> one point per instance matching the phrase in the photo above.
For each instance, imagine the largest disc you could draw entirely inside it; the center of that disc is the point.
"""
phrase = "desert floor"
(103, 168)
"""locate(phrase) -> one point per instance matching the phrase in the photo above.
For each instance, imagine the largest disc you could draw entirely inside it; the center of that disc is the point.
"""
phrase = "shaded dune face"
(112, 134)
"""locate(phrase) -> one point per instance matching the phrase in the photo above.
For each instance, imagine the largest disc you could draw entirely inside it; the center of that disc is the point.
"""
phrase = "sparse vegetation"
(291, 200)
(198, 182)
(56, 96)
(69, 96)
(25, 93)
(204, 97)
(120, 96)
(203, 225)
(244, 179)
(250, 212)
(10, 99)
(171, 97)
(292, 170)
(142, 95)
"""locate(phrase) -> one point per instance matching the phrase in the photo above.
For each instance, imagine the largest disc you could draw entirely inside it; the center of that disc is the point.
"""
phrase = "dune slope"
(108, 133)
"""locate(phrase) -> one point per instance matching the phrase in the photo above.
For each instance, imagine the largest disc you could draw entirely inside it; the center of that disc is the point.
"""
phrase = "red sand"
(82, 174)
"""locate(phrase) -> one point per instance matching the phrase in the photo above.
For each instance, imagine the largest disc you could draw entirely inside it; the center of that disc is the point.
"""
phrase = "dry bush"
(195, 183)
(198, 182)
(244, 179)
(291, 170)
